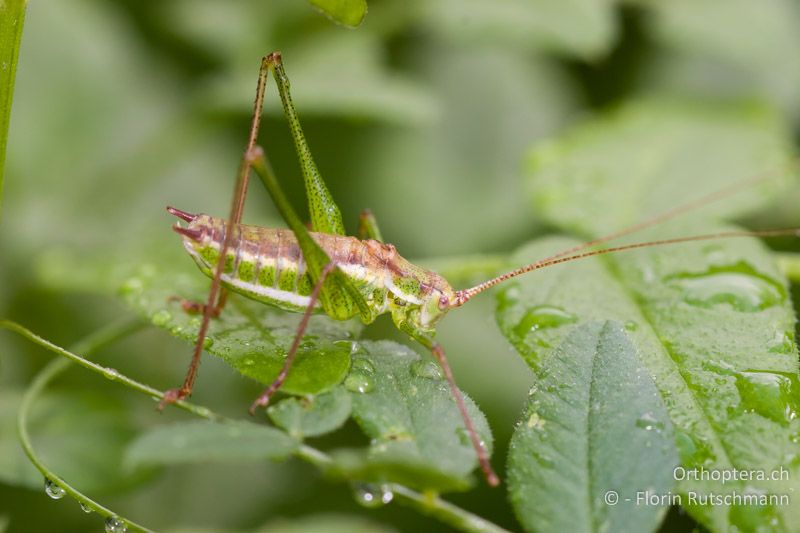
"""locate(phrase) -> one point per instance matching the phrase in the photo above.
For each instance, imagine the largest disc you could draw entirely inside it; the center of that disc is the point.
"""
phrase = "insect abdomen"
(266, 265)
(263, 264)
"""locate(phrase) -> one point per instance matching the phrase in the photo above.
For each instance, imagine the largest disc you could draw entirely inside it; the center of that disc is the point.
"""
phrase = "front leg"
(480, 449)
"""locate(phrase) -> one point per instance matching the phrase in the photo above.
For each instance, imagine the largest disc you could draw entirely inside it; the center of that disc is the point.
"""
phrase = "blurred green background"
(423, 114)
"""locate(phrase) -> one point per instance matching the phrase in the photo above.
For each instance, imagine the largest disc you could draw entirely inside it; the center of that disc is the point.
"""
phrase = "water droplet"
(781, 343)
(131, 286)
(535, 421)
(373, 496)
(85, 508)
(358, 382)
(739, 286)
(463, 436)
(771, 395)
(426, 369)
(363, 365)
(115, 525)
(111, 373)
(352, 346)
(693, 452)
(248, 361)
(161, 318)
(307, 345)
(649, 422)
(543, 317)
(53, 490)
(208, 342)
(631, 325)
(543, 459)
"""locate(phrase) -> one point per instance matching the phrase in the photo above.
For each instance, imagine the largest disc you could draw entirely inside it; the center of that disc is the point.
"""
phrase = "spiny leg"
(368, 226)
(325, 214)
(214, 305)
(483, 457)
(338, 297)
(265, 396)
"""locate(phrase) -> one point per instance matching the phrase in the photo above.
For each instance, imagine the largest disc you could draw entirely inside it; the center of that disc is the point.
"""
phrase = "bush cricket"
(323, 270)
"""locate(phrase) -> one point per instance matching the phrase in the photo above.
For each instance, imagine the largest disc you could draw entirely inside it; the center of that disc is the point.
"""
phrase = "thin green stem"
(428, 504)
(432, 505)
(107, 372)
(43, 378)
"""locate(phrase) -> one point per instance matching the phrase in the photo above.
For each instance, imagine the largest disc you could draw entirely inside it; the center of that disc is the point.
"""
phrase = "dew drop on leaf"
(115, 525)
(111, 373)
(463, 436)
(426, 369)
(648, 422)
(363, 365)
(543, 317)
(53, 490)
(161, 318)
(131, 286)
(781, 343)
(372, 496)
(739, 286)
(769, 394)
(359, 382)
(85, 508)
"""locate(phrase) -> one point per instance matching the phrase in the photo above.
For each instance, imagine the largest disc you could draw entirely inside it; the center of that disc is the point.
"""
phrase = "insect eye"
(444, 302)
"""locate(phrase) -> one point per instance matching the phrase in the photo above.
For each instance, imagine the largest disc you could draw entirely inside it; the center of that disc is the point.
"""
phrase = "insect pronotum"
(324, 270)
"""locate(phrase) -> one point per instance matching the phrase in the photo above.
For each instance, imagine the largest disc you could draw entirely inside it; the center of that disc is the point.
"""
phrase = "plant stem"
(107, 372)
(428, 504)
(12, 17)
(446, 512)
(88, 345)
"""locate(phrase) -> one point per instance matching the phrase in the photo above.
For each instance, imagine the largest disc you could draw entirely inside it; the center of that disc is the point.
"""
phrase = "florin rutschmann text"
(747, 496)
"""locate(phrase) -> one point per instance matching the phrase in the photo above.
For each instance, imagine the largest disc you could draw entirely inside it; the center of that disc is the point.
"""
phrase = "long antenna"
(793, 232)
(463, 296)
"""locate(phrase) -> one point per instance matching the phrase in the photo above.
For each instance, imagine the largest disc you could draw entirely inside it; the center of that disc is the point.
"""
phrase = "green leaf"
(203, 441)
(79, 435)
(594, 424)
(585, 28)
(711, 322)
(12, 17)
(650, 156)
(404, 405)
(251, 337)
(345, 12)
(313, 415)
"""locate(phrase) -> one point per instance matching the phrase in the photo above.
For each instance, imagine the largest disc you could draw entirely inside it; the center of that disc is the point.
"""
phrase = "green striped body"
(266, 265)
